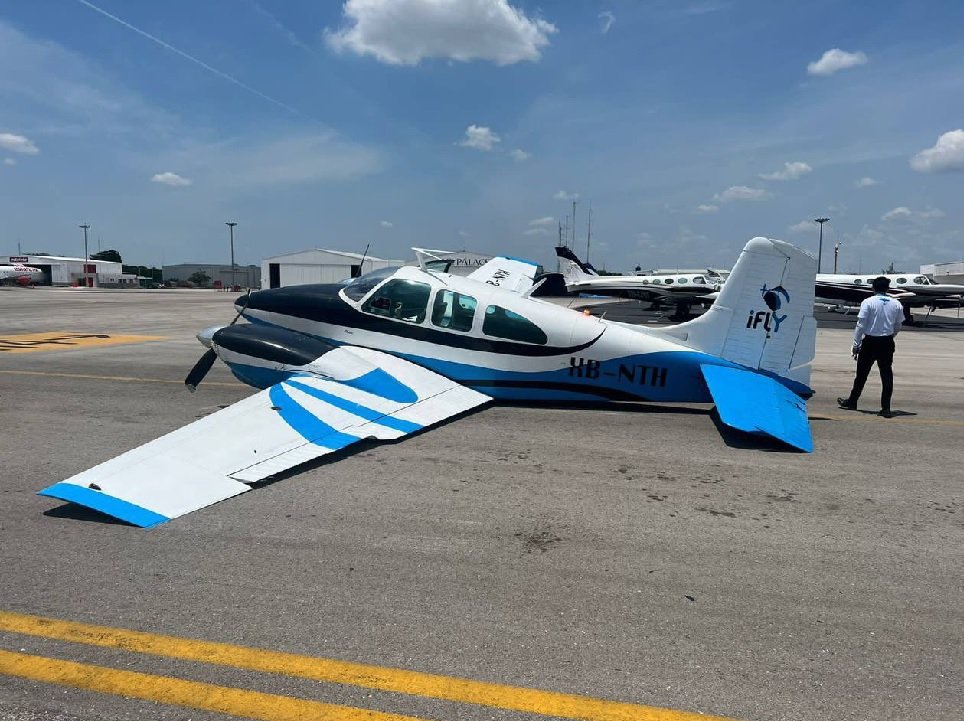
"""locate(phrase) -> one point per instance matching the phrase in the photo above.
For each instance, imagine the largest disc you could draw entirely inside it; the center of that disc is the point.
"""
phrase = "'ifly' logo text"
(774, 299)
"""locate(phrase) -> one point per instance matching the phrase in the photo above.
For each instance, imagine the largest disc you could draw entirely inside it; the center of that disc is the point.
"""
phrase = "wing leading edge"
(755, 403)
(300, 419)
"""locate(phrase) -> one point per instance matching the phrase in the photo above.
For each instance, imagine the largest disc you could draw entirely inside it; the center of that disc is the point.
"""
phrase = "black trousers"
(879, 350)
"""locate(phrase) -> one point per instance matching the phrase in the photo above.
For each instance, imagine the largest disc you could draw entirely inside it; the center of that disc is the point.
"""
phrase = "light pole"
(836, 252)
(86, 227)
(234, 278)
(820, 246)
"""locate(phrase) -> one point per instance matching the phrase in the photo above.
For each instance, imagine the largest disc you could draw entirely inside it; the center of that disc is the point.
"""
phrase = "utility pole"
(86, 227)
(821, 221)
(836, 252)
(234, 276)
(574, 223)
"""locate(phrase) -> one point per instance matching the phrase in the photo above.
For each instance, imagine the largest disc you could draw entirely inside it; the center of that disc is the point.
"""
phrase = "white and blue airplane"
(399, 350)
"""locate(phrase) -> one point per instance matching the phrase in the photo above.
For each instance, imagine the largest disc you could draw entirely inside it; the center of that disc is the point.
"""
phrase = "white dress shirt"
(879, 315)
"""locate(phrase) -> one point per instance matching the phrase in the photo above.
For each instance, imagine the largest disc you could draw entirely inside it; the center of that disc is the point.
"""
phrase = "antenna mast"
(589, 232)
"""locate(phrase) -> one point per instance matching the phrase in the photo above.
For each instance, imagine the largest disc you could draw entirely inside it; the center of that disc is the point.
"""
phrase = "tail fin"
(763, 317)
(573, 269)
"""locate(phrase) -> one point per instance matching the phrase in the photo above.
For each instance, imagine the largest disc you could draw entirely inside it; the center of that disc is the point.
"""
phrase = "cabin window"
(657, 281)
(901, 281)
(645, 282)
(454, 311)
(921, 280)
(858, 281)
(668, 281)
(681, 281)
(400, 299)
(699, 280)
(502, 323)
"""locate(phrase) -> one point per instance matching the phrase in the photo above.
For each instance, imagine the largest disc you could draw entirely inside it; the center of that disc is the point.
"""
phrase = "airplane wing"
(302, 418)
(755, 403)
(513, 274)
(845, 292)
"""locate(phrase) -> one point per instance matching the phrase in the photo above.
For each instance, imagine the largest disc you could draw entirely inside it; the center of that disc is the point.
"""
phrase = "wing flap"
(298, 420)
(754, 403)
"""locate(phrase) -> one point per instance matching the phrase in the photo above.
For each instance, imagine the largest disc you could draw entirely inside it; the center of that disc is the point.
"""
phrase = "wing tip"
(104, 503)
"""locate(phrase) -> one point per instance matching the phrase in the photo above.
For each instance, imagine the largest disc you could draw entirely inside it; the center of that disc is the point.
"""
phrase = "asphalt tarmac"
(633, 556)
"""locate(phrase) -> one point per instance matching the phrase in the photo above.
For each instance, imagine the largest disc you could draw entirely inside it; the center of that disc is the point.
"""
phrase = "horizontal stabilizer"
(513, 274)
(368, 394)
(755, 403)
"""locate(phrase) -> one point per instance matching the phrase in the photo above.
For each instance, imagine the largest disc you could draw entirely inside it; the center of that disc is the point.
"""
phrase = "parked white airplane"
(20, 274)
(397, 351)
(913, 291)
(680, 289)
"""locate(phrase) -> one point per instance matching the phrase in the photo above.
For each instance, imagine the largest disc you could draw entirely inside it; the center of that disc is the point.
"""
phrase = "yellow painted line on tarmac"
(873, 417)
(178, 692)
(62, 340)
(126, 379)
(449, 688)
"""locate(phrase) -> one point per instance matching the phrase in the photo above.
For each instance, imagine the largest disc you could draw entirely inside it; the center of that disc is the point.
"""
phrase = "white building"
(318, 266)
(65, 270)
(945, 272)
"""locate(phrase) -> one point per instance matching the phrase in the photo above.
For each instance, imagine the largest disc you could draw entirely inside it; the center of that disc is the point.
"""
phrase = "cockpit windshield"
(359, 287)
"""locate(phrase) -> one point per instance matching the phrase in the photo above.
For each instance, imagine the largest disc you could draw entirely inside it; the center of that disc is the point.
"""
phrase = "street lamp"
(234, 278)
(821, 221)
(86, 227)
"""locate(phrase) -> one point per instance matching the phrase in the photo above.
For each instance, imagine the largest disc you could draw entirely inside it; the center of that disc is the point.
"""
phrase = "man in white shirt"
(878, 322)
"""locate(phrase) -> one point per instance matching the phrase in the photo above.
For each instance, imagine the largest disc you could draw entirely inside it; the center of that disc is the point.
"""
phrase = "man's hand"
(855, 351)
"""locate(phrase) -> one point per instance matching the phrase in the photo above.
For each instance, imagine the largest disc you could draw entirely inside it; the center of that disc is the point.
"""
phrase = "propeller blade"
(244, 307)
(200, 369)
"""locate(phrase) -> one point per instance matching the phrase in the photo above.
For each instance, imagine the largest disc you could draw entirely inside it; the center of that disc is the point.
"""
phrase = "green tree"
(111, 255)
(200, 278)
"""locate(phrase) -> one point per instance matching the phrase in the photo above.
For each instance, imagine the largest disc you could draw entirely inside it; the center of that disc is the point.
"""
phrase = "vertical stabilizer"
(763, 317)
(573, 270)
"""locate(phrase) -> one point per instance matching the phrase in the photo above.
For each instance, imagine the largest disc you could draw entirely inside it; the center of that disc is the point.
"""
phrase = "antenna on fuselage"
(361, 264)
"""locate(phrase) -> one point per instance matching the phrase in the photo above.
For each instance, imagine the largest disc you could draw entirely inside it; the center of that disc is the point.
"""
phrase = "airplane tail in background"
(763, 317)
(573, 270)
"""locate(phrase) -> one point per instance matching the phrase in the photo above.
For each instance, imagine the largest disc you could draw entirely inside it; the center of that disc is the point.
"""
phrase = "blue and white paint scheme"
(400, 350)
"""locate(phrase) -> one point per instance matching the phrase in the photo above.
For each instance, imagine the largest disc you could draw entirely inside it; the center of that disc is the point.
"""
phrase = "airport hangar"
(222, 275)
(318, 265)
(66, 270)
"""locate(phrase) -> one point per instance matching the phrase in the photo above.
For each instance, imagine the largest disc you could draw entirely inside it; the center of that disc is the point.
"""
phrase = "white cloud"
(405, 32)
(804, 226)
(866, 182)
(904, 214)
(18, 144)
(947, 154)
(479, 137)
(791, 171)
(606, 20)
(547, 220)
(563, 195)
(9, 161)
(519, 155)
(834, 60)
(386, 224)
(172, 179)
(707, 208)
(536, 231)
(740, 192)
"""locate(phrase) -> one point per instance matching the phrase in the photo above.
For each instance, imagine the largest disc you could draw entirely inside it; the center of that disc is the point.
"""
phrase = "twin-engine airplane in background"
(913, 291)
(399, 350)
(20, 274)
(679, 289)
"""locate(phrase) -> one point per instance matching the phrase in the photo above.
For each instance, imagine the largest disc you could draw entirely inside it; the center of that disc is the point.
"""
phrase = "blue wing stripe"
(310, 427)
(100, 501)
(381, 383)
(367, 413)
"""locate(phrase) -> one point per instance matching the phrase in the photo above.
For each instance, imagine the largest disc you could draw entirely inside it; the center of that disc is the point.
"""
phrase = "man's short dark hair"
(880, 284)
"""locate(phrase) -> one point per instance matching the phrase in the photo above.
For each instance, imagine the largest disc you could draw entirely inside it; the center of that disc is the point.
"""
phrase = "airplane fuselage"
(20, 274)
(497, 341)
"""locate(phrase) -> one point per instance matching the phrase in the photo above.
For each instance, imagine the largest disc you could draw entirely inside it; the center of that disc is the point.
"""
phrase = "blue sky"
(689, 125)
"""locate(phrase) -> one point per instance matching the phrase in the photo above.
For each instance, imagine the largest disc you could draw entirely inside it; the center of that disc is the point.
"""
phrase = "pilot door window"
(502, 323)
(404, 300)
(454, 311)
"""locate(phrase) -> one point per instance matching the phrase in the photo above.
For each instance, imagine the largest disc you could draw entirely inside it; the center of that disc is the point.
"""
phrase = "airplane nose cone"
(206, 335)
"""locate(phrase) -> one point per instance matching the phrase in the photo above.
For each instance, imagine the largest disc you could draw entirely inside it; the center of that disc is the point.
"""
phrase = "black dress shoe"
(846, 404)
(886, 413)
